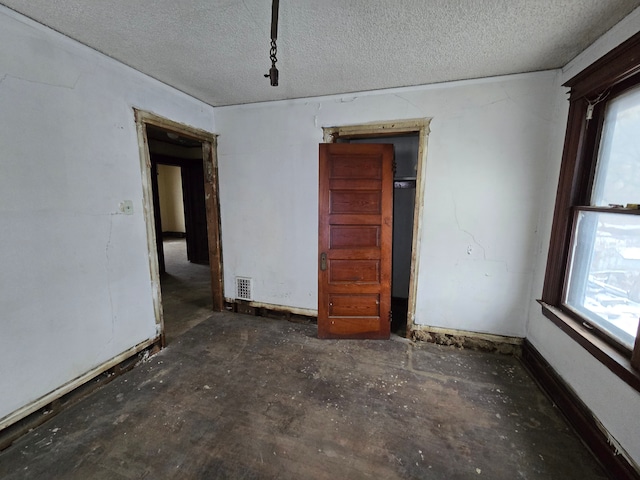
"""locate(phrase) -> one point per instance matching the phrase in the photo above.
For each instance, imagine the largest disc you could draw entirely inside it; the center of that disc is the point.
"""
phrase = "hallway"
(186, 290)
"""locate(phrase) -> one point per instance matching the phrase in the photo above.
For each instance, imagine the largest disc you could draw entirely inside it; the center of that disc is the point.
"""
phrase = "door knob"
(323, 262)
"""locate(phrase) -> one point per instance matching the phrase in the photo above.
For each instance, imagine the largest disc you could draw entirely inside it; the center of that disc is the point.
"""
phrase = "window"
(603, 284)
(592, 282)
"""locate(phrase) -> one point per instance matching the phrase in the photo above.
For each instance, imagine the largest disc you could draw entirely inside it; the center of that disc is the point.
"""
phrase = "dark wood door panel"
(352, 327)
(354, 236)
(352, 202)
(347, 219)
(352, 168)
(345, 305)
(361, 184)
(354, 271)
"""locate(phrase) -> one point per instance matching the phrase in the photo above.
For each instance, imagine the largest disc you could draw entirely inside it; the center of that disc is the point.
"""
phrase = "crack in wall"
(473, 238)
(529, 111)
(318, 107)
(28, 80)
(475, 242)
(107, 260)
(408, 101)
(315, 117)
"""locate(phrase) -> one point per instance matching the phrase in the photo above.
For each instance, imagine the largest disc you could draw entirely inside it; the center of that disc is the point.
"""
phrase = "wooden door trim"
(391, 128)
(210, 163)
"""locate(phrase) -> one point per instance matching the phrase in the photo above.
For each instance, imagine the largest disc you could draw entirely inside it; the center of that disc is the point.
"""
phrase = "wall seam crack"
(408, 101)
(473, 238)
(57, 85)
(108, 279)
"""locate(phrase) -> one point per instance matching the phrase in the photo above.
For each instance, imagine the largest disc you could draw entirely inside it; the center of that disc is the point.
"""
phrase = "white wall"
(485, 167)
(75, 283)
(171, 200)
(613, 402)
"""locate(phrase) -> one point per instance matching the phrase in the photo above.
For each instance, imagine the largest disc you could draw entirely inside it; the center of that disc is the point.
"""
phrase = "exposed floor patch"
(186, 290)
(247, 397)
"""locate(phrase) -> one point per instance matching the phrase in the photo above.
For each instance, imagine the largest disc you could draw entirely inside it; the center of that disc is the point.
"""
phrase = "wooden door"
(355, 236)
(195, 214)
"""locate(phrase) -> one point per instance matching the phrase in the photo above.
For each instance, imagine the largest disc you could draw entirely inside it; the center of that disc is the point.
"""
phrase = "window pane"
(604, 279)
(618, 170)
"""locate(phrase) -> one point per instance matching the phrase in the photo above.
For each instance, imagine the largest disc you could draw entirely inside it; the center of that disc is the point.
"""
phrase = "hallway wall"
(75, 284)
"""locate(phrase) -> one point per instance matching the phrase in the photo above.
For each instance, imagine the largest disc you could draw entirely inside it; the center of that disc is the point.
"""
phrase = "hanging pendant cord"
(273, 71)
(274, 19)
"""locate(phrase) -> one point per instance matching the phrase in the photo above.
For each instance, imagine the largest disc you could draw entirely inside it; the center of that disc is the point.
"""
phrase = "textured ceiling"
(218, 50)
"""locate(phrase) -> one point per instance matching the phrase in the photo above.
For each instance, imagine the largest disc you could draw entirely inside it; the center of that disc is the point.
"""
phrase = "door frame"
(212, 200)
(387, 129)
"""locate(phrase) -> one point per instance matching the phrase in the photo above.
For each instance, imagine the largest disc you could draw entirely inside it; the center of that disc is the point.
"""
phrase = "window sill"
(610, 357)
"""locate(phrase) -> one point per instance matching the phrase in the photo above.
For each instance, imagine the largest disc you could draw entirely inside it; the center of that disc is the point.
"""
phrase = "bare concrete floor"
(244, 397)
(186, 290)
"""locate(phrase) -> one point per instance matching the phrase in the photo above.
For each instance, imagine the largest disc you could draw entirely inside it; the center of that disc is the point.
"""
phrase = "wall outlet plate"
(126, 207)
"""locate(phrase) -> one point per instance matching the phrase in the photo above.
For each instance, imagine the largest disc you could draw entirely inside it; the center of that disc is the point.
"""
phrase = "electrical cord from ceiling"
(273, 71)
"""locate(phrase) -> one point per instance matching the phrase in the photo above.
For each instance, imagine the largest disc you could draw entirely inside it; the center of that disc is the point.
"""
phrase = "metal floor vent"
(243, 288)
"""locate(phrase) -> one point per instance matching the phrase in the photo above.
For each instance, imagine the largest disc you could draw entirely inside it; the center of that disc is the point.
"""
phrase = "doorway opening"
(177, 180)
(182, 214)
(409, 138)
(404, 194)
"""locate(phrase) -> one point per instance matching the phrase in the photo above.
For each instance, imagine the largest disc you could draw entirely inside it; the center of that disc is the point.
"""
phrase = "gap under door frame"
(212, 201)
(388, 129)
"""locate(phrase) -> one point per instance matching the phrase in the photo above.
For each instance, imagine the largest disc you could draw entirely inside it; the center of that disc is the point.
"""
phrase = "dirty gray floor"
(244, 397)
(186, 290)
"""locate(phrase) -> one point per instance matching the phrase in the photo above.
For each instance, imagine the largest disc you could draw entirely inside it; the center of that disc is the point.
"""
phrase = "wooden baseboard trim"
(589, 429)
(291, 314)
(16, 424)
(465, 339)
